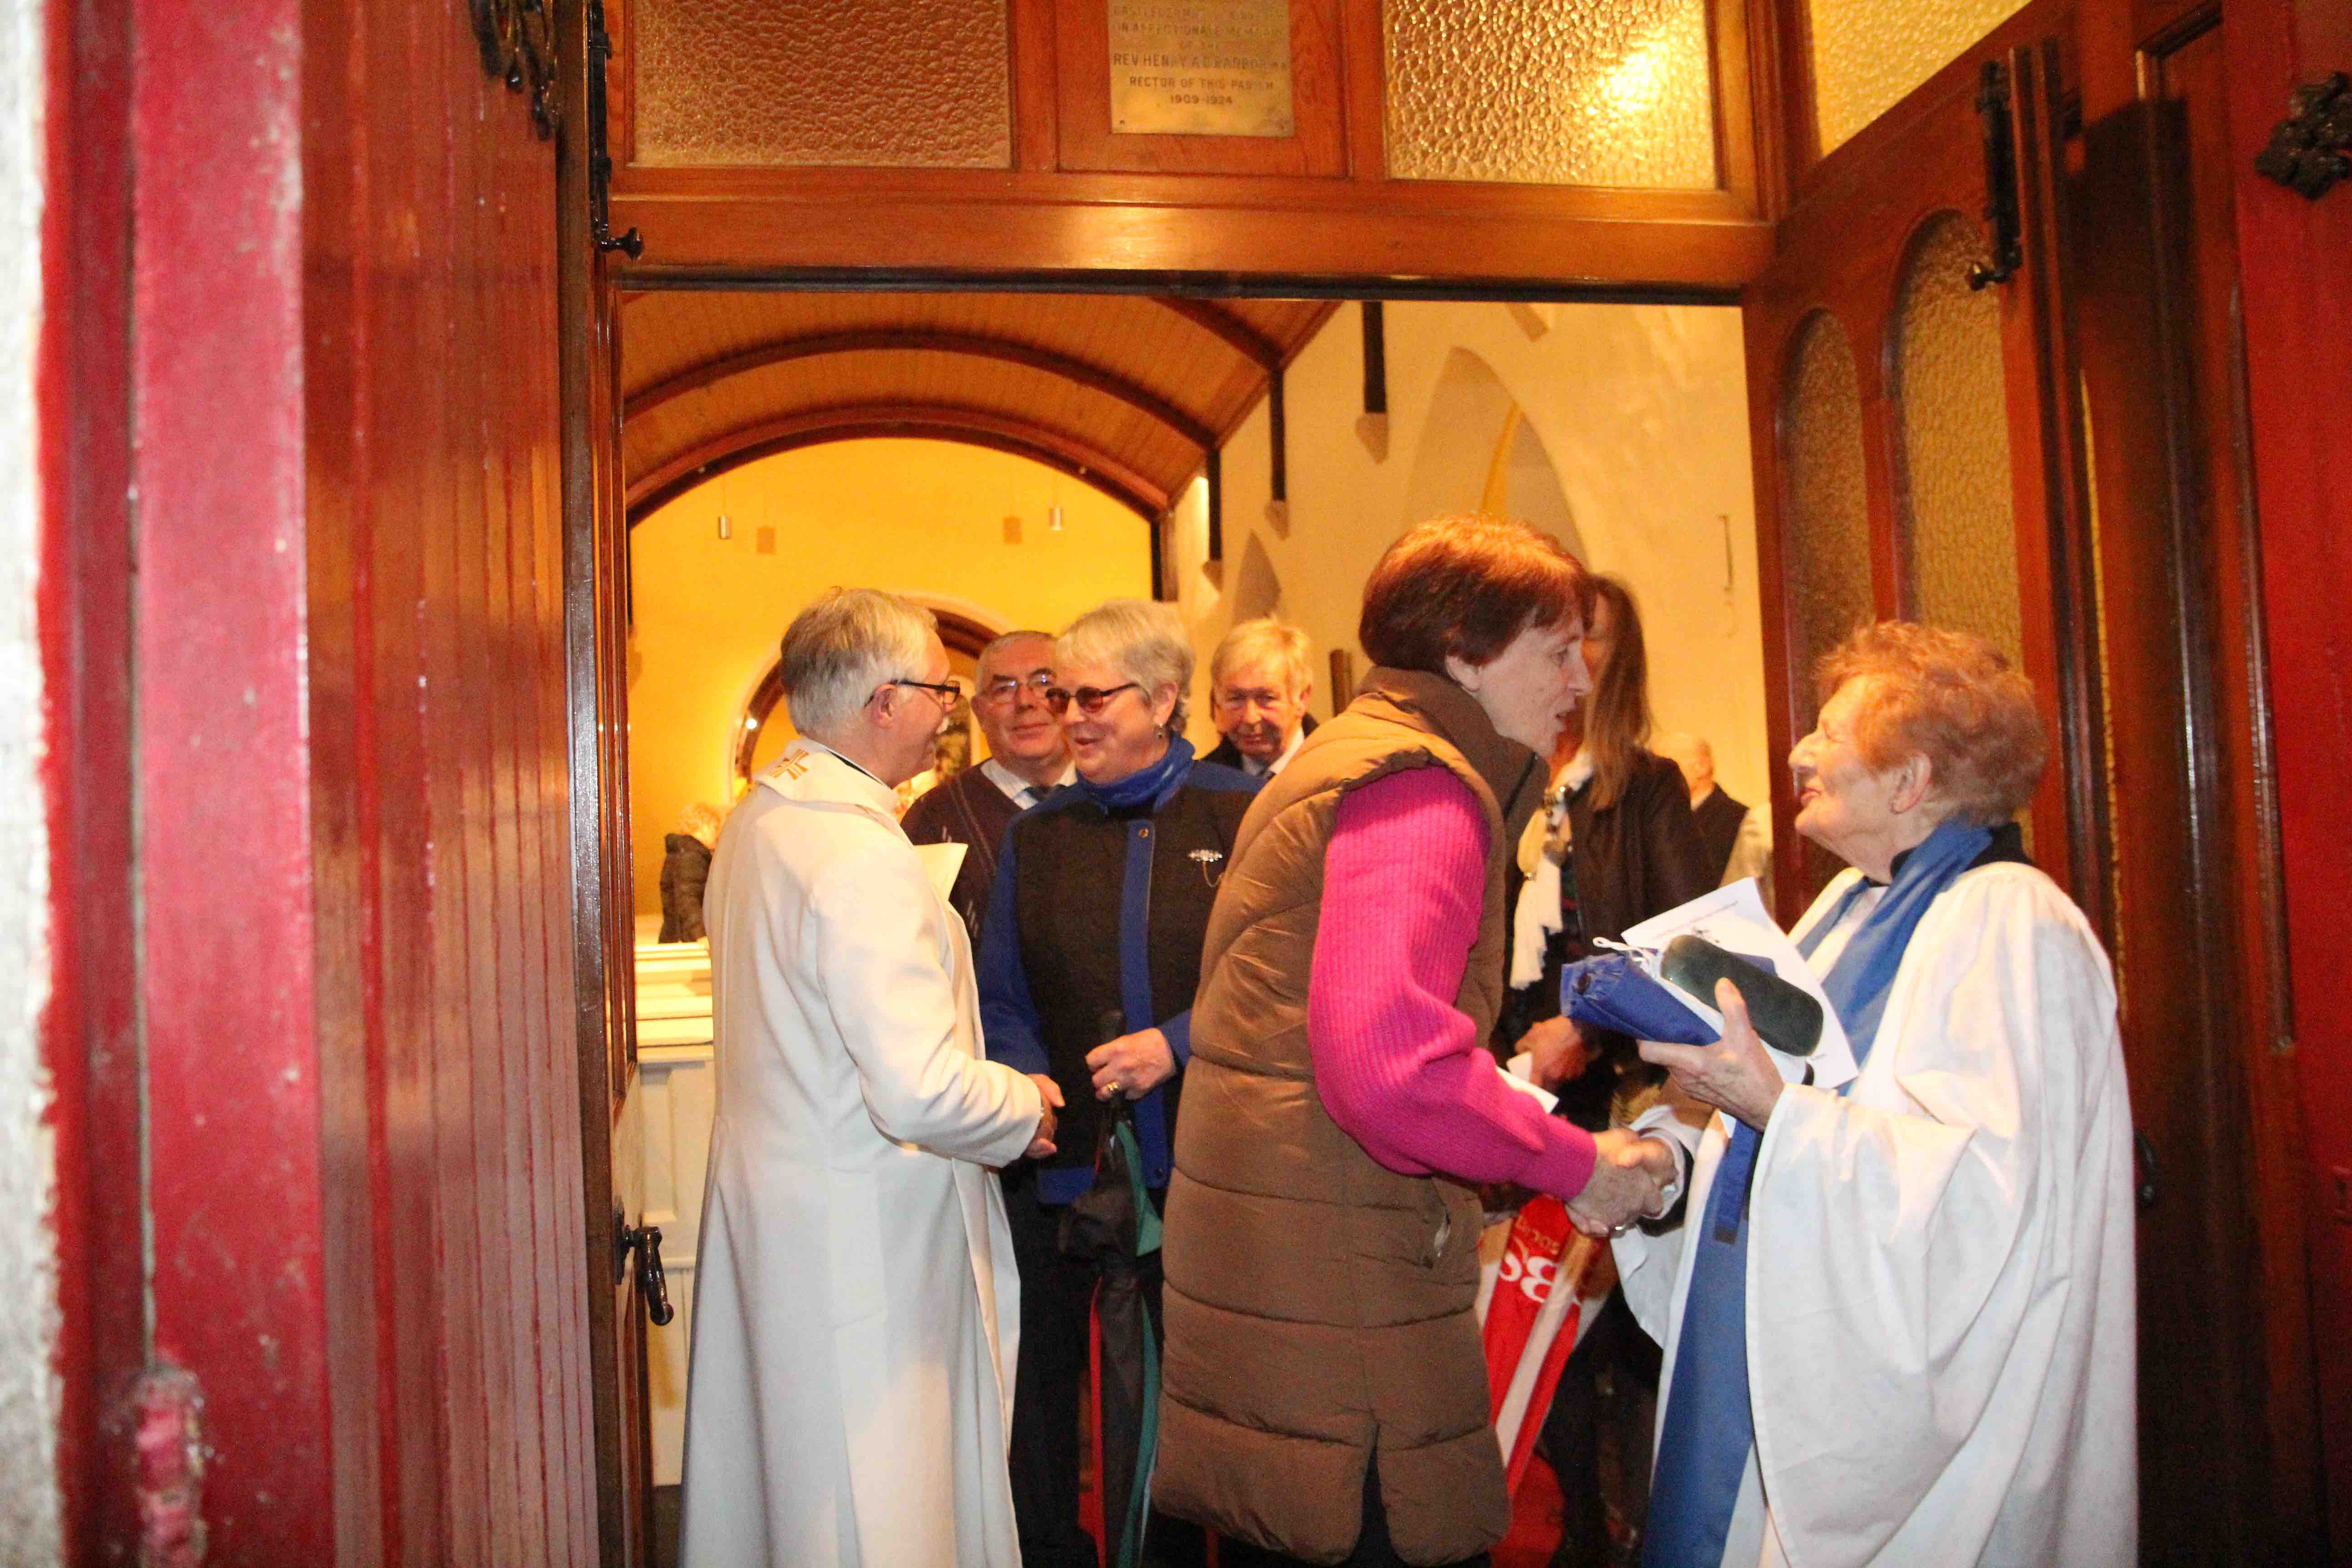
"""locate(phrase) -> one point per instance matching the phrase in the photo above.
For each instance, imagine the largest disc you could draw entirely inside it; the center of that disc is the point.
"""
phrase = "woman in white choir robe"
(1913, 1343)
(855, 1307)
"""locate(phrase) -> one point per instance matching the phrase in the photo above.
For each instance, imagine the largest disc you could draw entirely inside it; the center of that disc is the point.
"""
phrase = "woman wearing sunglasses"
(1089, 957)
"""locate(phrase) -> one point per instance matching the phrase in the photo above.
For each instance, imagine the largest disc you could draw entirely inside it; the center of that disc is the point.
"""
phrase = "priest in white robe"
(855, 1307)
(1898, 1314)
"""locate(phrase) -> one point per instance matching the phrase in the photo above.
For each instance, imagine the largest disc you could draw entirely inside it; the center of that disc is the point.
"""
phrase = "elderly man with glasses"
(1028, 759)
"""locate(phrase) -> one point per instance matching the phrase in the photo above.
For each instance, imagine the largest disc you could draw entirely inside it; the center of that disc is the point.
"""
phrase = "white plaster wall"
(30, 1390)
(1642, 411)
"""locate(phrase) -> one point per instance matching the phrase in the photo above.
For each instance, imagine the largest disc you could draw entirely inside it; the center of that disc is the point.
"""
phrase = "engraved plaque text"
(1200, 68)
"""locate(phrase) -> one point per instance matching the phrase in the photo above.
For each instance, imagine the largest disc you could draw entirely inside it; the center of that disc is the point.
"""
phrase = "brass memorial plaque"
(1200, 68)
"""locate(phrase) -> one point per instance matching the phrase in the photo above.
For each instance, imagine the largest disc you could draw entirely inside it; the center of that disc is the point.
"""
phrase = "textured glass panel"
(1960, 533)
(1828, 522)
(914, 84)
(1551, 92)
(1958, 518)
(1827, 526)
(1869, 54)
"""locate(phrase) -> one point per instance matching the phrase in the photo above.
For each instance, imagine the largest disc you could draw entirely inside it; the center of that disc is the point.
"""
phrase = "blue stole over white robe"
(1709, 1425)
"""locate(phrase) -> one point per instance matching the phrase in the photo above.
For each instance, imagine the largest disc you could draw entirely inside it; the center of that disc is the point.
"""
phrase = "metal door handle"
(652, 1283)
(2149, 1172)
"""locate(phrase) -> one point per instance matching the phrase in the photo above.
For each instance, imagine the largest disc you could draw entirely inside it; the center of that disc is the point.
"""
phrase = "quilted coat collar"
(1432, 703)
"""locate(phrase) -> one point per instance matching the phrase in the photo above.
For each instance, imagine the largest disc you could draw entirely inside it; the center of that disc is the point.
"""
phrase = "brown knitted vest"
(1319, 1306)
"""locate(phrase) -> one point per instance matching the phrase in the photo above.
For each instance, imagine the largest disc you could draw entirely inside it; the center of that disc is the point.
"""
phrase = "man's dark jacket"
(1718, 819)
(1225, 754)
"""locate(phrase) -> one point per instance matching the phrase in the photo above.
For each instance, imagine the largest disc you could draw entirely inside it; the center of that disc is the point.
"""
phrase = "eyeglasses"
(1006, 687)
(948, 693)
(1091, 700)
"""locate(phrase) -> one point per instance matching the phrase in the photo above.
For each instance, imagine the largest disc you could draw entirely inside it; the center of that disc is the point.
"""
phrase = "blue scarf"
(1710, 1424)
(1145, 786)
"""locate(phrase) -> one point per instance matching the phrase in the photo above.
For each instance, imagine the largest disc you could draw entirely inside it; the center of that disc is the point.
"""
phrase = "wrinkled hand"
(1043, 1143)
(1630, 1176)
(1133, 1063)
(1559, 1049)
(1734, 1075)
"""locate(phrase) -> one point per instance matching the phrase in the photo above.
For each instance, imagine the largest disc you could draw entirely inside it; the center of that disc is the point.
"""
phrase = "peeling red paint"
(170, 1440)
(221, 767)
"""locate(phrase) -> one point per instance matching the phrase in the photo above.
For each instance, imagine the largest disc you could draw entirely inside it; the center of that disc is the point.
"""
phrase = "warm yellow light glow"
(924, 517)
(1637, 82)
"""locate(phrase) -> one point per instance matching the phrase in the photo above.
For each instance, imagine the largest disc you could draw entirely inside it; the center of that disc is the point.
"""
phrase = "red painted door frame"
(183, 1033)
(219, 765)
(2297, 306)
(87, 1029)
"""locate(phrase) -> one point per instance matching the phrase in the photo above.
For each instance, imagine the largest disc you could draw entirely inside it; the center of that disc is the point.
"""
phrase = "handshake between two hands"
(1631, 1175)
(1132, 1065)
(1043, 1143)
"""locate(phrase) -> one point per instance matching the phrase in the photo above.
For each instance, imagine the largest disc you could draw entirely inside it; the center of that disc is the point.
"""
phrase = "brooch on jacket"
(1205, 859)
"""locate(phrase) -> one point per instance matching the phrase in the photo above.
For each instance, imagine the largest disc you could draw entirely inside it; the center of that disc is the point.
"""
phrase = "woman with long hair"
(1615, 844)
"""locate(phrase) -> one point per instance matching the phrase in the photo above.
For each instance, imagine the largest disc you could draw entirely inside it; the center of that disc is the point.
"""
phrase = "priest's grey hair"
(847, 642)
(1143, 640)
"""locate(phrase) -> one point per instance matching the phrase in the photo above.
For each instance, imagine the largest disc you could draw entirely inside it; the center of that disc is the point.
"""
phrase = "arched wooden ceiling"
(1126, 393)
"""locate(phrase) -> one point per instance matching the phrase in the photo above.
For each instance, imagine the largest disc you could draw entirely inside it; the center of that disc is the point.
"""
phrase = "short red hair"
(1465, 587)
(1953, 698)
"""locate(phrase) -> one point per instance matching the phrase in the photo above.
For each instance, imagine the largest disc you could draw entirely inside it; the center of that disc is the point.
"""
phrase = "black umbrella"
(1112, 1223)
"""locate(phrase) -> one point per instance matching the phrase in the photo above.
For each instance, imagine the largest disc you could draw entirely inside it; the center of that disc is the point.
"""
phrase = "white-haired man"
(1028, 759)
(1259, 681)
(1738, 836)
(849, 1396)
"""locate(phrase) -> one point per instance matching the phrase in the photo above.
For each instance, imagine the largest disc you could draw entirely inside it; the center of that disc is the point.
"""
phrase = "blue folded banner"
(1613, 991)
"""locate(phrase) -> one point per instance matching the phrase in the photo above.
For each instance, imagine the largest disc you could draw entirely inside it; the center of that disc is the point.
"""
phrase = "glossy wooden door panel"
(592, 635)
(2296, 301)
(460, 1338)
(2136, 557)
(345, 1092)
(1848, 252)
(2178, 561)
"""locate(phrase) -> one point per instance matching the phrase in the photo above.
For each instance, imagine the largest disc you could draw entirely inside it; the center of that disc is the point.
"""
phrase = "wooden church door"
(627, 1286)
(1915, 428)
(1927, 423)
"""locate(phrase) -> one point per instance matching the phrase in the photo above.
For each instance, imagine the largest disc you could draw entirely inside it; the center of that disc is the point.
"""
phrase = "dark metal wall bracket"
(2001, 180)
(1373, 424)
(1277, 426)
(600, 157)
(2311, 148)
(1216, 476)
(517, 39)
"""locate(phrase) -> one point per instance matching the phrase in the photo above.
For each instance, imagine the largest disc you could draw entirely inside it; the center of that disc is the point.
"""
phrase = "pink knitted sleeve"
(1399, 1066)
